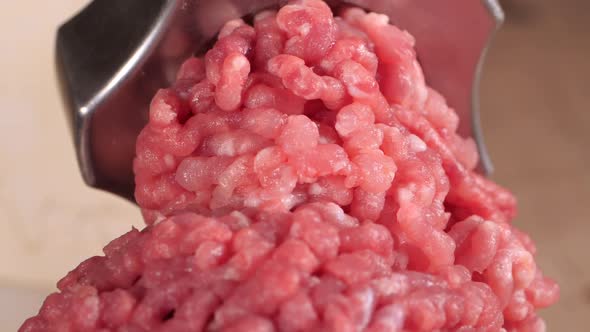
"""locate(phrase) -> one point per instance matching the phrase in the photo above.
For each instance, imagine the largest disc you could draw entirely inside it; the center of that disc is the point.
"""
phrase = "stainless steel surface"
(114, 55)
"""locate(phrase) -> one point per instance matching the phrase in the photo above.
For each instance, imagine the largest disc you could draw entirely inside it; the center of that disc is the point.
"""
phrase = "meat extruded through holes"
(303, 177)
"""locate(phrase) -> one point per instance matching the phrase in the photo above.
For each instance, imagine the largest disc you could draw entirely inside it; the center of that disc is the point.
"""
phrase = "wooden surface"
(536, 115)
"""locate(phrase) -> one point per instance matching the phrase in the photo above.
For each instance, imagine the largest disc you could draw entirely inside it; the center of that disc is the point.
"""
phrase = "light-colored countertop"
(536, 116)
(49, 222)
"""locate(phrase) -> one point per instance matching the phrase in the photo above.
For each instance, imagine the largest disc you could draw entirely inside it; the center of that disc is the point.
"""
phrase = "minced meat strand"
(302, 176)
(314, 269)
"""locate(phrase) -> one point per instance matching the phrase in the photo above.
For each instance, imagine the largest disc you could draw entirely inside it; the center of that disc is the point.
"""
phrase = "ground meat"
(314, 269)
(303, 177)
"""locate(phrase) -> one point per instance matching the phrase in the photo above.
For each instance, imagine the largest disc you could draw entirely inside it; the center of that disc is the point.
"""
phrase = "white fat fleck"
(243, 221)
(367, 299)
(314, 281)
(337, 212)
(405, 195)
(92, 302)
(239, 62)
(373, 204)
(327, 65)
(417, 144)
(488, 226)
(340, 166)
(252, 202)
(169, 161)
(397, 284)
(349, 78)
(304, 29)
(217, 251)
(391, 317)
(315, 189)
(227, 148)
(288, 201)
(292, 41)
(291, 201)
(295, 230)
(159, 218)
(231, 273)
(378, 19)
(356, 92)
(526, 272)
(421, 95)
(229, 27)
(264, 14)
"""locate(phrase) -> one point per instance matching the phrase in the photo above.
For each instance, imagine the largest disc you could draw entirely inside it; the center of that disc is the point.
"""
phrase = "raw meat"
(303, 177)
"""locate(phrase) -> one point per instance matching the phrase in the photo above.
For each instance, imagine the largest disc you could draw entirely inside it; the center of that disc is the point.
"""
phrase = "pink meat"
(303, 177)
(315, 269)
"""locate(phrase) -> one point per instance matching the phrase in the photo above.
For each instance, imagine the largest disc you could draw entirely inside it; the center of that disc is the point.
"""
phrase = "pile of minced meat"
(303, 177)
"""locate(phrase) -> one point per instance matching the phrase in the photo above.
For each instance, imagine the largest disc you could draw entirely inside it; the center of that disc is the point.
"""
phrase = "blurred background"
(536, 117)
